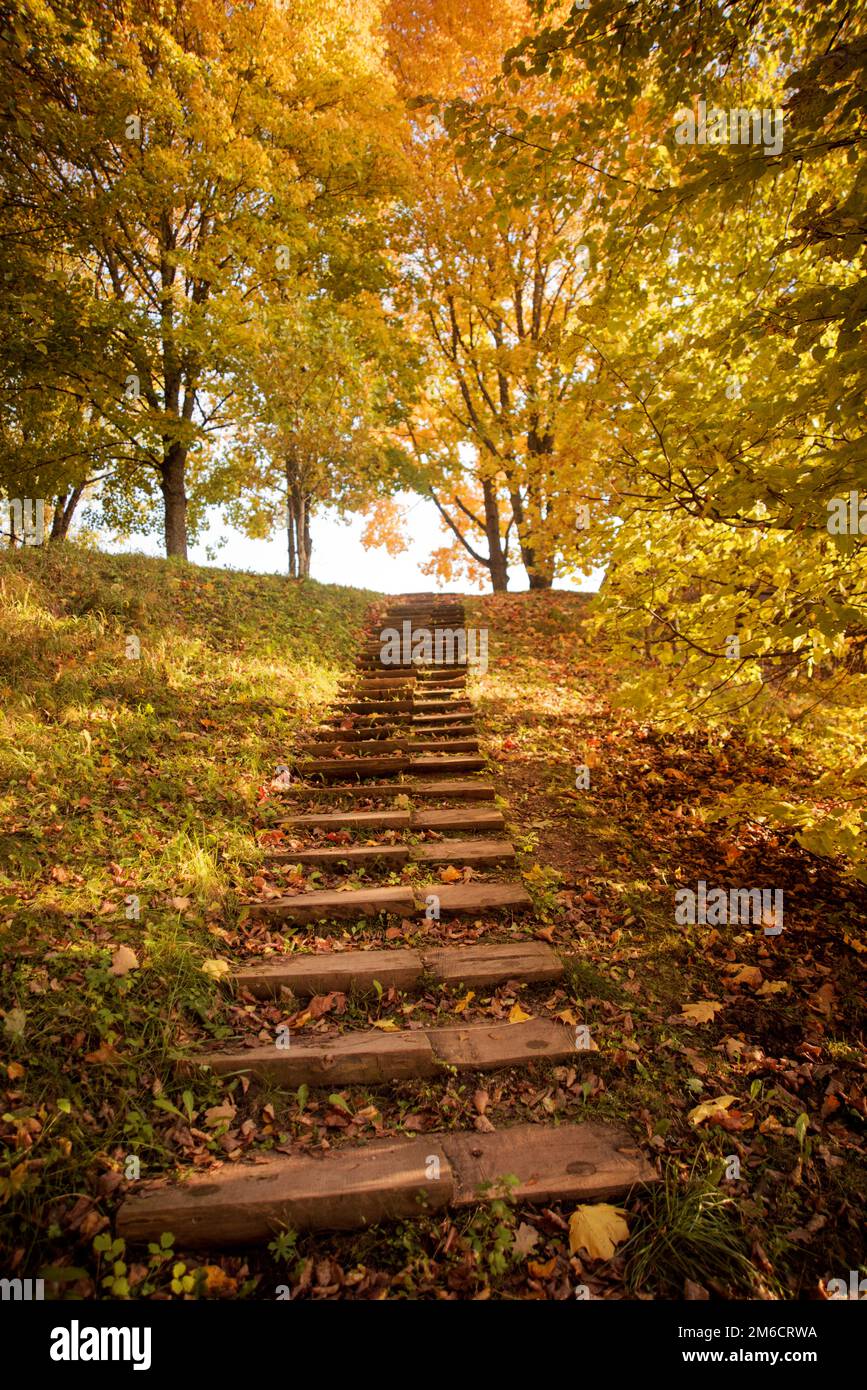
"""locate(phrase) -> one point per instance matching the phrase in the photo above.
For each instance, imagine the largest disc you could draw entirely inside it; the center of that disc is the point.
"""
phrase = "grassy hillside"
(129, 786)
(151, 779)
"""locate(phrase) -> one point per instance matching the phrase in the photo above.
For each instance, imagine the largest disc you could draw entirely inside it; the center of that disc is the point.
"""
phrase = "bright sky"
(338, 555)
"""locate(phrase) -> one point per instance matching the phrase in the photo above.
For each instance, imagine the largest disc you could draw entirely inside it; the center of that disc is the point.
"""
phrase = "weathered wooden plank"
(459, 762)
(313, 907)
(529, 961)
(486, 1047)
(319, 972)
(352, 767)
(458, 899)
(375, 706)
(464, 790)
(570, 1162)
(358, 746)
(370, 1055)
(457, 818)
(352, 746)
(385, 1180)
(322, 972)
(443, 745)
(342, 854)
(347, 1059)
(439, 706)
(244, 1204)
(463, 852)
(432, 720)
(361, 820)
(350, 737)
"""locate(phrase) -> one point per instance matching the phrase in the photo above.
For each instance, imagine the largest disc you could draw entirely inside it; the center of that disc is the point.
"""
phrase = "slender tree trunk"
(497, 559)
(175, 500)
(64, 510)
(304, 544)
(291, 521)
(539, 574)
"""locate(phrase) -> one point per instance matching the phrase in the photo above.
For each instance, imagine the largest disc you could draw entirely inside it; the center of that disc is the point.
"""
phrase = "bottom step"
(385, 1180)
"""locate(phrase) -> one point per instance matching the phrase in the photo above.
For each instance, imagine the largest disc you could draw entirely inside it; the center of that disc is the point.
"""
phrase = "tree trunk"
(304, 546)
(175, 500)
(539, 574)
(498, 563)
(291, 522)
(64, 510)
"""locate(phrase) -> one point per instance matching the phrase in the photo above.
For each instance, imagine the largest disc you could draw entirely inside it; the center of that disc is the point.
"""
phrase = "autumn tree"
(178, 153)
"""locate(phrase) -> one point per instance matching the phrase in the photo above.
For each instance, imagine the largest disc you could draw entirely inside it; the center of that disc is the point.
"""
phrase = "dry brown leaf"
(123, 961)
(702, 1012)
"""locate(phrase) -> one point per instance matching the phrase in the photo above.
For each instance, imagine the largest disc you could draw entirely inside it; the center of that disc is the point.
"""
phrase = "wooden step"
(459, 762)
(446, 818)
(360, 767)
(310, 973)
(570, 1163)
(353, 746)
(463, 852)
(467, 899)
(457, 818)
(464, 790)
(386, 745)
(375, 707)
(370, 1056)
(379, 736)
(350, 1188)
(320, 973)
(314, 907)
(437, 852)
(460, 791)
(443, 745)
(362, 820)
(431, 720)
(439, 706)
(454, 899)
(529, 961)
(334, 856)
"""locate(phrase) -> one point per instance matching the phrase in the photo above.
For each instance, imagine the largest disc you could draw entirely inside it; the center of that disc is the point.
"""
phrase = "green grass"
(130, 786)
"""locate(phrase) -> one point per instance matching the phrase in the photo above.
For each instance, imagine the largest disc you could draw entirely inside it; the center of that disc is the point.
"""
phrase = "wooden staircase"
(407, 733)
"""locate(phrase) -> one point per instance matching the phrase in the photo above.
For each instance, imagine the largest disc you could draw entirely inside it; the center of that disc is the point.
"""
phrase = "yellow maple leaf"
(597, 1230)
(463, 1003)
(710, 1107)
(517, 1015)
(702, 1012)
(215, 969)
(387, 1025)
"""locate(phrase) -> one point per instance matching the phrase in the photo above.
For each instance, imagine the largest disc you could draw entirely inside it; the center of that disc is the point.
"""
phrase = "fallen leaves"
(703, 1012)
(123, 961)
(14, 1022)
(216, 968)
(450, 875)
(597, 1230)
